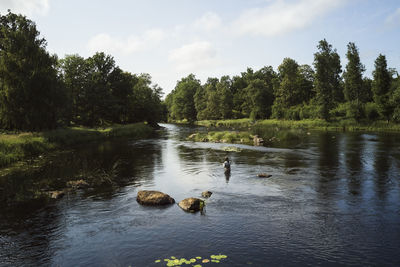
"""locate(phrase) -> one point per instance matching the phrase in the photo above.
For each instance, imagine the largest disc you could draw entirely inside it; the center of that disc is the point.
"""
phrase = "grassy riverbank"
(279, 132)
(344, 125)
(18, 146)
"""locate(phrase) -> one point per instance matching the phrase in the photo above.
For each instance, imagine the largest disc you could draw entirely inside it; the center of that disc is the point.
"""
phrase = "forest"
(39, 91)
(294, 92)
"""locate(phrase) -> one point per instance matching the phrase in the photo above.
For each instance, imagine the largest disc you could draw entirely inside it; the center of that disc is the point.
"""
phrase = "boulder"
(206, 194)
(153, 198)
(192, 204)
(264, 175)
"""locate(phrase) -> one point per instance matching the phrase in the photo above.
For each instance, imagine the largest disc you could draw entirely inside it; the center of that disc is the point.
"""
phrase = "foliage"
(381, 86)
(38, 91)
(101, 93)
(327, 78)
(30, 91)
(181, 102)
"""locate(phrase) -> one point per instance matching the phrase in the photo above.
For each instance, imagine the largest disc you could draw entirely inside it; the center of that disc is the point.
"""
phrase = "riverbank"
(278, 133)
(316, 124)
(19, 146)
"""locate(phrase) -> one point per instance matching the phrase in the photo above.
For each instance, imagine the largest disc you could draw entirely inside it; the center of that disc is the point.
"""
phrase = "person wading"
(227, 165)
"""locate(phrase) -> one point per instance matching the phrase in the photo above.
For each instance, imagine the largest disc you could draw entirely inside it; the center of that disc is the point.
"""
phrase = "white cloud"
(196, 56)
(208, 22)
(112, 45)
(394, 18)
(283, 16)
(25, 7)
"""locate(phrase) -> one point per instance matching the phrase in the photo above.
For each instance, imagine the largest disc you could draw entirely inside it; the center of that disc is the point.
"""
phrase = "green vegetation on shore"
(277, 132)
(324, 95)
(315, 124)
(15, 147)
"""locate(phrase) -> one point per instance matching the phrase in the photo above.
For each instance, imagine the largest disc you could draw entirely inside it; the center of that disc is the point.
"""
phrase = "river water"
(332, 200)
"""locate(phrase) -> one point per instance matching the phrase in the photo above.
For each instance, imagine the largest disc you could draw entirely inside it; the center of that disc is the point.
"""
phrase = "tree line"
(40, 91)
(294, 91)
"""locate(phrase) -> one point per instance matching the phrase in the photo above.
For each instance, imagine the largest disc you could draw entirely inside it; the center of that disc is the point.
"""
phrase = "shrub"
(371, 111)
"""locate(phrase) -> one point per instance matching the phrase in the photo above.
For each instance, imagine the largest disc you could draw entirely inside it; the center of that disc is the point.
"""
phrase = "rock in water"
(153, 198)
(206, 194)
(56, 194)
(191, 204)
(264, 175)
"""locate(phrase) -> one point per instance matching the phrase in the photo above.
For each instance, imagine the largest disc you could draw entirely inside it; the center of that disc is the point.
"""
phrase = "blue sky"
(171, 38)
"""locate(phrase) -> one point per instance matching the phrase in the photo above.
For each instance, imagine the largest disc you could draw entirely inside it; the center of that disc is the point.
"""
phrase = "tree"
(381, 87)
(353, 80)
(31, 95)
(327, 78)
(293, 86)
(354, 90)
(74, 72)
(395, 99)
(183, 106)
(225, 96)
(288, 91)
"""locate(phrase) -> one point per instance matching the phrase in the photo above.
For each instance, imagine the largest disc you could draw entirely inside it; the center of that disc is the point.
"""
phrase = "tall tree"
(31, 96)
(381, 86)
(395, 99)
(288, 92)
(354, 90)
(183, 106)
(224, 91)
(353, 80)
(327, 78)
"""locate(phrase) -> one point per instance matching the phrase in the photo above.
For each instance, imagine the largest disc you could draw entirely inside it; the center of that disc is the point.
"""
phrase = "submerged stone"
(153, 198)
(264, 175)
(192, 204)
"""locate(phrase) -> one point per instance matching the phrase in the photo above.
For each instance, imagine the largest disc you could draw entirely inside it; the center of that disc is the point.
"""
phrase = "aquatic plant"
(174, 261)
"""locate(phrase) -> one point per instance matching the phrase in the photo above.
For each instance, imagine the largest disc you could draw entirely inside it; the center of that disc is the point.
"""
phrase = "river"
(332, 200)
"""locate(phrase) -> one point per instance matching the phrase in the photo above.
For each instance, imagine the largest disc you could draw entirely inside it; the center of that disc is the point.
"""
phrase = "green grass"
(223, 137)
(281, 133)
(314, 124)
(16, 147)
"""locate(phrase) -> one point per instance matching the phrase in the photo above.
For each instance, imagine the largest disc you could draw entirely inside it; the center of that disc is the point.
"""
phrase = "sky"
(170, 39)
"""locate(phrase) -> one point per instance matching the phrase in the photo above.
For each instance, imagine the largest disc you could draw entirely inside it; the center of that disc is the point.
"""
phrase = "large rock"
(153, 198)
(191, 204)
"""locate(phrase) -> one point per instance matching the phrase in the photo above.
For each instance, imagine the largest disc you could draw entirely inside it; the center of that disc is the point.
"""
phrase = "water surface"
(332, 200)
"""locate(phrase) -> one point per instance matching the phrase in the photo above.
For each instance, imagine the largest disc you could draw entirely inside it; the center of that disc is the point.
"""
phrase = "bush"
(371, 111)
(396, 115)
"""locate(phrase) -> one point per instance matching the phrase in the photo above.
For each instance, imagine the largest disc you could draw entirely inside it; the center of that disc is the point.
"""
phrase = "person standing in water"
(227, 164)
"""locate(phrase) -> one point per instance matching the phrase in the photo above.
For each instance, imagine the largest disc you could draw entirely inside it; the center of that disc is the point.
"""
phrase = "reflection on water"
(332, 201)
